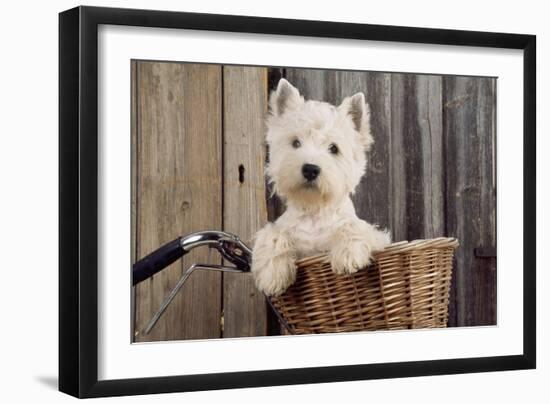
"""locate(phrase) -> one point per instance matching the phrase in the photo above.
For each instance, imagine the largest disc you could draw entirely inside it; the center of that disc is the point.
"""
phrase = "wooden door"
(197, 164)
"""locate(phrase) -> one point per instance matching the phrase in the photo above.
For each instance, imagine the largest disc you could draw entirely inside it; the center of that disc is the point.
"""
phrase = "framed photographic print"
(250, 201)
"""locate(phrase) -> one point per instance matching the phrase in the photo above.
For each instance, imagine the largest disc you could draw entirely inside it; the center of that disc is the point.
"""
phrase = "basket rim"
(394, 248)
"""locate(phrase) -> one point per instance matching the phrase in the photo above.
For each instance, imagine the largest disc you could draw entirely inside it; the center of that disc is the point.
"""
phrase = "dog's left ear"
(358, 111)
(286, 97)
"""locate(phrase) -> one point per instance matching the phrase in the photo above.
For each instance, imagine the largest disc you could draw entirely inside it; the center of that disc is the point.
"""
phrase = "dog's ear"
(357, 110)
(285, 97)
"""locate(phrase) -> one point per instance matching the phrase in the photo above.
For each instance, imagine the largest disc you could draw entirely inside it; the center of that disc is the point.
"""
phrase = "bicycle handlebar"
(229, 246)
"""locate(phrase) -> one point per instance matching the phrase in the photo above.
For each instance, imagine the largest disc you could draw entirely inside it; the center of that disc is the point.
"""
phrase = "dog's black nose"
(310, 171)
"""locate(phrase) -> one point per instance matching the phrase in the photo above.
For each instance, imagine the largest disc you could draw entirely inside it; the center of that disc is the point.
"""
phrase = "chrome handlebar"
(228, 245)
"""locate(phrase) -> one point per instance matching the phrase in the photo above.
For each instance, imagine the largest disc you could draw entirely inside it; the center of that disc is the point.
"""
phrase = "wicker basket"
(407, 286)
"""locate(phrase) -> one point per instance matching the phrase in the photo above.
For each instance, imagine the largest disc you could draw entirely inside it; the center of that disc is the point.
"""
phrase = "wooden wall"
(195, 128)
(198, 158)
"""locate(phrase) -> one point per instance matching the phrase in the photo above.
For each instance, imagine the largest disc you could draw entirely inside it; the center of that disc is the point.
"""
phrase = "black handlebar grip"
(157, 261)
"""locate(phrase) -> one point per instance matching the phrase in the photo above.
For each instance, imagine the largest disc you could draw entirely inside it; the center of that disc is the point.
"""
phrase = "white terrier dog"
(316, 159)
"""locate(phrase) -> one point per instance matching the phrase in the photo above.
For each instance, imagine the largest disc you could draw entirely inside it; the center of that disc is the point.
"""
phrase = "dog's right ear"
(357, 109)
(286, 97)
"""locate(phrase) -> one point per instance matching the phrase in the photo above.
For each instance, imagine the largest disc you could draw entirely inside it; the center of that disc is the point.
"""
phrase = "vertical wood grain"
(275, 206)
(178, 191)
(416, 160)
(486, 281)
(429, 111)
(133, 174)
(245, 211)
(396, 164)
(471, 195)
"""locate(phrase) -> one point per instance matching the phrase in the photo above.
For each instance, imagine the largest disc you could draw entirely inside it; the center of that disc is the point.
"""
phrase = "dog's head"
(316, 150)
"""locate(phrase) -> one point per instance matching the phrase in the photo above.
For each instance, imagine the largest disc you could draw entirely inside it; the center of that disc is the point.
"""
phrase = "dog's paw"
(349, 258)
(274, 276)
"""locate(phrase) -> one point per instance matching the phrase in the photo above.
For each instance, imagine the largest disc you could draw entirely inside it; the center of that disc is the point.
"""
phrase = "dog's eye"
(296, 143)
(333, 149)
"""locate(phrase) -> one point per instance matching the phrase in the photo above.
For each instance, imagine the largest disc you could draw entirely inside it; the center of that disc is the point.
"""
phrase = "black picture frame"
(78, 201)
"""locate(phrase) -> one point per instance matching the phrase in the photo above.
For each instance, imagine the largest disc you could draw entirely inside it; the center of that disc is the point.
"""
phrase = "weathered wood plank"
(430, 125)
(313, 84)
(178, 191)
(396, 163)
(413, 163)
(469, 120)
(275, 207)
(486, 282)
(245, 212)
(416, 160)
(133, 174)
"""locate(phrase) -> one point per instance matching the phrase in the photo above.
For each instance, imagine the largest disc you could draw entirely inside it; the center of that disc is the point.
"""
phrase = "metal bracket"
(179, 285)
(485, 252)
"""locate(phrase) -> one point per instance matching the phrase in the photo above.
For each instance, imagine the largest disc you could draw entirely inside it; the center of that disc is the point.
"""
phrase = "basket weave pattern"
(406, 286)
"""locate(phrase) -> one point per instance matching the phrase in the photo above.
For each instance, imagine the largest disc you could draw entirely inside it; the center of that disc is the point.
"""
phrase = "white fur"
(319, 217)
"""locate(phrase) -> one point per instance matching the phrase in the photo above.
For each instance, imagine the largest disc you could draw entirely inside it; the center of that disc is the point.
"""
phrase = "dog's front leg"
(353, 244)
(273, 261)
